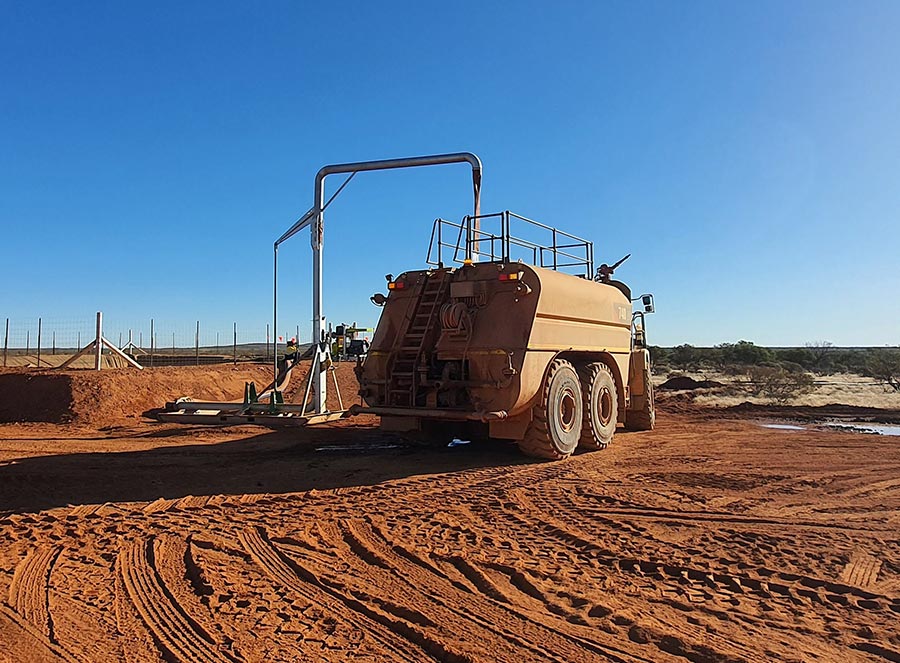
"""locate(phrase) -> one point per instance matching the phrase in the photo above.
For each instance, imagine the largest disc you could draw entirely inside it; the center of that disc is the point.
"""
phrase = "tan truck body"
(476, 343)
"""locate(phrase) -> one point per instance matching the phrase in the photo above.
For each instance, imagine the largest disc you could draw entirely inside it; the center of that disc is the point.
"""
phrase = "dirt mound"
(686, 383)
(105, 397)
(682, 402)
(108, 397)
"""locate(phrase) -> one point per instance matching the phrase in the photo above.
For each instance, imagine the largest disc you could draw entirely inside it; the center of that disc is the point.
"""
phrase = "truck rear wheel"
(601, 406)
(556, 420)
(644, 416)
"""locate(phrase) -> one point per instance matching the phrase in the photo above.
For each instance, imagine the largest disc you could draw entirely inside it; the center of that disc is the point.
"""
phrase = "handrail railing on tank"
(471, 238)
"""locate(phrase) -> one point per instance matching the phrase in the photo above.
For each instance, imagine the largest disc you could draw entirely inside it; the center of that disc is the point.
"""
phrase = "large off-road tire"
(644, 417)
(601, 406)
(556, 420)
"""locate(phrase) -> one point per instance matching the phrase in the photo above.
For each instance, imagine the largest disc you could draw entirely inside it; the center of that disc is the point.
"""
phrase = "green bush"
(884, 366)
(778, 384)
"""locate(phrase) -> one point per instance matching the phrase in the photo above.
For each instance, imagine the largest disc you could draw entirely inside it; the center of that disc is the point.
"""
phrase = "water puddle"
(865, 427)
(851, 426)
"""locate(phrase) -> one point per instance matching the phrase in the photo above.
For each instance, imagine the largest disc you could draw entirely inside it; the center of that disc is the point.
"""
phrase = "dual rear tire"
(576, 408)
(602, 406)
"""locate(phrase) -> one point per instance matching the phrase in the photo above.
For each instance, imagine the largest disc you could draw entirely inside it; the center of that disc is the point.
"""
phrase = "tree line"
(820, 357)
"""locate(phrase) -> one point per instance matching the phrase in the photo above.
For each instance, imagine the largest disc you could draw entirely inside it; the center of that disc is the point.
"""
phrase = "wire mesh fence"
(51, 342)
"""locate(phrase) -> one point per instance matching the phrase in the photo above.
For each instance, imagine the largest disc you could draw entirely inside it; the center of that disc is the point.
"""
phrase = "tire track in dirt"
(861, 571)
(493, 610)
(28, 592)
(513, 588)
(714, 518)
(286, 573)
(187, 584)
(545, 613)
(23, 642)
(764, 582)
(82, 628)
(177, 635)
(442, 600)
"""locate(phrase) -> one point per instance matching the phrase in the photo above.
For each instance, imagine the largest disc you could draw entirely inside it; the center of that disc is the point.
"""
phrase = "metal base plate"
(222, 418)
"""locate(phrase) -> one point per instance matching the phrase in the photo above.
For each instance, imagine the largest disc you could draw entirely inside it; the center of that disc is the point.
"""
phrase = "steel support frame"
(315, 218)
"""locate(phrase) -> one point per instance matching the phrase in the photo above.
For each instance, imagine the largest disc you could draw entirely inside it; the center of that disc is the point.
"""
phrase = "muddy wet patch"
(866, 427)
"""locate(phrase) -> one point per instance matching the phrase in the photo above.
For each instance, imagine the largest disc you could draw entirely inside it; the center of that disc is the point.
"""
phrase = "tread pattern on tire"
(536, 442)
(645, 418)
(588, 374)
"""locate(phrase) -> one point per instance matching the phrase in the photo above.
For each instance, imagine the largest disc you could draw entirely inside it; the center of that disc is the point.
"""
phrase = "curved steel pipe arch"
(315, 218)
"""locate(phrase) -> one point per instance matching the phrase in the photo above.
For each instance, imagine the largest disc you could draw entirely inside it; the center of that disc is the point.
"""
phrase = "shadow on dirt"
(268, 462)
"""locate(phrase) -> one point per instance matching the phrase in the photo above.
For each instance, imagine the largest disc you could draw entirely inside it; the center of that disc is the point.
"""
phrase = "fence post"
(197, 345)
(98, 343)
(39, 343)
(173, 344)
(6, 343)
(53, 352)
(152, 342)
(27, 342)
(267, 342)
(234, 346)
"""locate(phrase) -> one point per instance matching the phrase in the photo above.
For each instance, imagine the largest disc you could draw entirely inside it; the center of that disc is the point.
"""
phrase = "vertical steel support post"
(152, 342)
(505, 239)
(53, 352)
(554, 248)
(234, 346)
(316, 231)
(275, 313)
(98, 343)
(6, 343)
(197, 345)
(39, 343)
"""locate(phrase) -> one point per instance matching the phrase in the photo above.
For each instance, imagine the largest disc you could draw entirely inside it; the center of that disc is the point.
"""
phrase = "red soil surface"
(708, 539)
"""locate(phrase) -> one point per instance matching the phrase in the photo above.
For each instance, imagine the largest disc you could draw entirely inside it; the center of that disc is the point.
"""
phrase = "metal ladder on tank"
(403, 384)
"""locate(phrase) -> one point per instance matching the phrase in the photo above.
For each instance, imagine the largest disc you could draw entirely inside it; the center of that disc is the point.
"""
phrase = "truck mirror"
(647, 301)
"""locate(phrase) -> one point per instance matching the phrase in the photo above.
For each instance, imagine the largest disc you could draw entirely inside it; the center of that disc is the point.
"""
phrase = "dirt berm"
(101, 398)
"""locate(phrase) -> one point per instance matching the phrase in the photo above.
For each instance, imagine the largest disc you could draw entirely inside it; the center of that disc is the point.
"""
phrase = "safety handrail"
(475, 243)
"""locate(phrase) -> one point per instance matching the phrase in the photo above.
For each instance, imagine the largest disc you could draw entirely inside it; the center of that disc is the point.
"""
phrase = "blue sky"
(747, 155)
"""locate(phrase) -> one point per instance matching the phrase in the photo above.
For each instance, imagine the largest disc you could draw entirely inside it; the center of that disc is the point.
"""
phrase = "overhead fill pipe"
(315, 218)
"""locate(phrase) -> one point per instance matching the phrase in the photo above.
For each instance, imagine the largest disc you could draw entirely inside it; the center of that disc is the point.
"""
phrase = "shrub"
(684, 356)
(778, 384)
(884, 366)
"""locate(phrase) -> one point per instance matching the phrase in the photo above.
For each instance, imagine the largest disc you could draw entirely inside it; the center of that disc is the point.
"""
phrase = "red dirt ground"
(708, 539)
